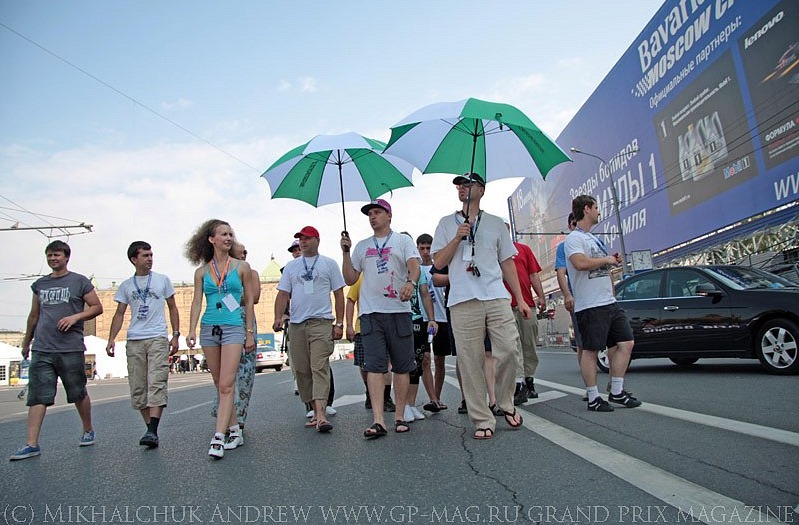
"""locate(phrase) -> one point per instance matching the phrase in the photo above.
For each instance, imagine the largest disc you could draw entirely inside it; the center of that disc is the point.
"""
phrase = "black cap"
(469, 177)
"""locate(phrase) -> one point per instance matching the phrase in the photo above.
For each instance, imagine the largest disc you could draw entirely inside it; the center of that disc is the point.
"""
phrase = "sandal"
(311, 423)
(483, 433)
(324, 427)
(432, 406)
(217, 450)
(511, 418)
(375, 431)
(399, 425)
(496, 410)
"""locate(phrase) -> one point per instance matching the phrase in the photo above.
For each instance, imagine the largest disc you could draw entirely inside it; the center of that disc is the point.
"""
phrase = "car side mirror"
(708, 290)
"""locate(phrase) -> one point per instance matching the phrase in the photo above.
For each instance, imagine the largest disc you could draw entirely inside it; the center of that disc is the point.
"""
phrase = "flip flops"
(400, 427)
(311, 423)
(324, 427)
(511, 418)
(483, 433)
(375, 431)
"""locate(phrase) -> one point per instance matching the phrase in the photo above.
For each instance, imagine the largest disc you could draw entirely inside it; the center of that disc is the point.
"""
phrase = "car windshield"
(744, 278)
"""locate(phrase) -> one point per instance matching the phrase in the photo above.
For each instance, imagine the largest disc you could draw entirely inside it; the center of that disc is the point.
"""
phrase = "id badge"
(230, 302)
(144, 309)
(467, 252)
(308, 287)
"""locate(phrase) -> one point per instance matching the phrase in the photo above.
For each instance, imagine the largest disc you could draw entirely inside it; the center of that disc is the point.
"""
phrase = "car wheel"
(683, 361)
(776, 346)
(278, 368)
(602, 361)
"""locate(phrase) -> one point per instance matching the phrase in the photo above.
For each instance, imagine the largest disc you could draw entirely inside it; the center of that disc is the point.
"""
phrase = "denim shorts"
(221, 335)
(47, 367)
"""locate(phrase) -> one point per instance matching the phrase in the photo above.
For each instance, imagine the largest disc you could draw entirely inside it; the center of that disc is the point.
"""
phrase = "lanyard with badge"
(468, 250)
(144, 308)
(307, 277)
(382, 264)
(221, 285)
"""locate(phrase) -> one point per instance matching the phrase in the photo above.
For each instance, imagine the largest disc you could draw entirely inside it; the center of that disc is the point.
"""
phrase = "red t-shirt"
(526, 263)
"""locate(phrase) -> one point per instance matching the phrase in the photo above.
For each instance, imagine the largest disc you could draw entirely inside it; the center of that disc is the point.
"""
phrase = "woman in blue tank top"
(223, 330)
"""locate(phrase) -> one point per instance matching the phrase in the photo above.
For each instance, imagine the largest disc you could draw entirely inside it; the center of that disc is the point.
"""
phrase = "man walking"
(527, 269)
(478, 250)
(441, 346)
(602, 322)
(308, 281)
(147, 348)
(55, 324)
(390, 268)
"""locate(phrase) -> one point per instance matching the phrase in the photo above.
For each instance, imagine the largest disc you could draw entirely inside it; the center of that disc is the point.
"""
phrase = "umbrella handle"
(345, 233)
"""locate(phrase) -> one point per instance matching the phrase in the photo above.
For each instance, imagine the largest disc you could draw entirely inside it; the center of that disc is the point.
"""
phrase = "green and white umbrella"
(322, 170)
(474, 136)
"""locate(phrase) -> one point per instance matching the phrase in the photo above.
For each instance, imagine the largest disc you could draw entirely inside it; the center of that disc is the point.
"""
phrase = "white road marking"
(750, 429)
(689, 498)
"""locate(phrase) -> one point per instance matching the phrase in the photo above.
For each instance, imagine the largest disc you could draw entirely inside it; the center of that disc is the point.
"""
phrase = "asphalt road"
(714, 443)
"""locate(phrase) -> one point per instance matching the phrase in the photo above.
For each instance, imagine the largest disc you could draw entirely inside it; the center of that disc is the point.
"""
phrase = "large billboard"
(697, 126)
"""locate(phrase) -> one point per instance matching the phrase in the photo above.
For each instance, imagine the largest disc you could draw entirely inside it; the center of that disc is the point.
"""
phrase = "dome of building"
(271, 272)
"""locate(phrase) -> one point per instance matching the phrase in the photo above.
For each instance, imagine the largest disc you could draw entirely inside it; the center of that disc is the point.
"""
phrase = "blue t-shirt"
(216, 312)
(560, 262)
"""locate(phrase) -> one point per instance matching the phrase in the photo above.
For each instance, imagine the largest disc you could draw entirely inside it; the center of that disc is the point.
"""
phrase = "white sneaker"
(416, 413)
(330, 411)
(309, 414)
(234, 440)
(217, 450)
(408, 415)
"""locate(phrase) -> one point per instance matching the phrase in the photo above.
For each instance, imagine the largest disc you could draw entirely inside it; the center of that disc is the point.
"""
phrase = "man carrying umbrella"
(390, 267)
(309, 281)
(479, 252)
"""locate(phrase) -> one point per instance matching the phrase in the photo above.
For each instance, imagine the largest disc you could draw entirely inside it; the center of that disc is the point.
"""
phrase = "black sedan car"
(686, 313)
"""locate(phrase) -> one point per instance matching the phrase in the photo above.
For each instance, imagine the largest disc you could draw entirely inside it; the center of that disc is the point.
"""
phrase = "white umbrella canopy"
(337, 168)
(492, 139)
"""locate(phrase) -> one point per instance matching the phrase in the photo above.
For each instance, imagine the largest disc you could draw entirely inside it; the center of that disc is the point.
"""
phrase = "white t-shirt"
(492, 245)
(591, 288)
(437, 296)
(146, 296)
(310, 280)
(384, 263)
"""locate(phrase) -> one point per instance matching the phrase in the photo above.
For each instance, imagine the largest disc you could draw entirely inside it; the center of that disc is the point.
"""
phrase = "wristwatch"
(339, 325)
(175, 333)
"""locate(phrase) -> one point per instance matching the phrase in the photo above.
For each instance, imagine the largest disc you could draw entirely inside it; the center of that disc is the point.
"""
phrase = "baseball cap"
(307, 231)
(469, 177)
(377, 203)
(295, 244)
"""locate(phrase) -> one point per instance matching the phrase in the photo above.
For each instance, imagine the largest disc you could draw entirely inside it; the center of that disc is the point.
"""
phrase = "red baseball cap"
(307, 231)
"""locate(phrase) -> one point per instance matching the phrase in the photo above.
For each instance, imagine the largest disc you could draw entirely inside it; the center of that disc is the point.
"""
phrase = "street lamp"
(615, 201)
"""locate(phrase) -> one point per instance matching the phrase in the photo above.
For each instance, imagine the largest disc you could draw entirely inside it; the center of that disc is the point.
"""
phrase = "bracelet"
(250, 331)
(339, 325)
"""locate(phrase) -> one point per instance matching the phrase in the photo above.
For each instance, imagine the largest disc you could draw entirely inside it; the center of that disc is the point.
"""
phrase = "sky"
(144, 119)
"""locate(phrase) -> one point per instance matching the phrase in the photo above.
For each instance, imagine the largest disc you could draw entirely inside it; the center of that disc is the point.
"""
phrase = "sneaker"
(389, 406)
(531, 393)
(417, 414)
(149, 440)
(462, 408)
(217, 450)
(233, 440)
(25, 452)
(624, 399)
(309, 414)
(330, 411)
(408, 415)
(87, 439)
(520, 394)
(599, 405)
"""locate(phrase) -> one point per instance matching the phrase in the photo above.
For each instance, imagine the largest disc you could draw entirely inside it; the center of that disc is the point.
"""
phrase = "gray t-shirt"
(60, 297)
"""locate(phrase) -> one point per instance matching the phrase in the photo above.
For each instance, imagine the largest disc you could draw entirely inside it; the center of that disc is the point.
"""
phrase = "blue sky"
(253, 80)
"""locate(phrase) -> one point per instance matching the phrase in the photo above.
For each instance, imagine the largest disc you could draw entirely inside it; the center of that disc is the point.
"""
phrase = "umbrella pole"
(471, 170)
(341, 188)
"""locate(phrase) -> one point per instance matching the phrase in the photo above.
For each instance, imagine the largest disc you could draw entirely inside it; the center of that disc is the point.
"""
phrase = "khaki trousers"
(528, 335)
(470, 322)
(310, 349)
